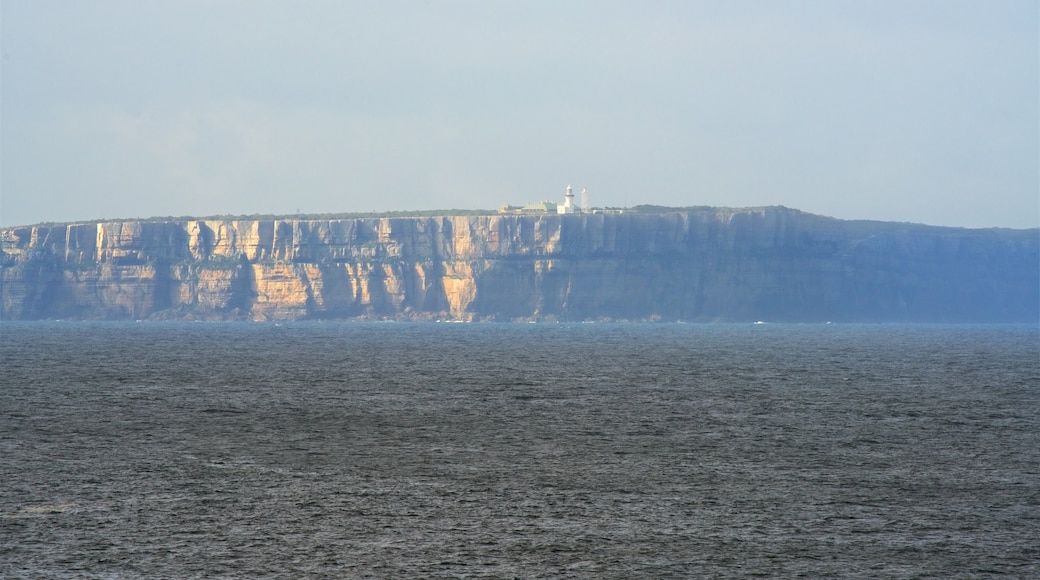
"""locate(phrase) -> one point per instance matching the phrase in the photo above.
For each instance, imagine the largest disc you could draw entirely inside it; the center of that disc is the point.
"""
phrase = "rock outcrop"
(696, 265)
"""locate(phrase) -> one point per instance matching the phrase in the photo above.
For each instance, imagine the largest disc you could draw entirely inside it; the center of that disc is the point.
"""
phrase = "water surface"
(526, 450)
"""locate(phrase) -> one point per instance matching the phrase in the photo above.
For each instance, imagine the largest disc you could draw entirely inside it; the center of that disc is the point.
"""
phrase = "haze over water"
(518, 450)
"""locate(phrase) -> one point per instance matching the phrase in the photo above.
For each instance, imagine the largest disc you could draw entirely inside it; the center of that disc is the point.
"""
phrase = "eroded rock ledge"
(698, 265)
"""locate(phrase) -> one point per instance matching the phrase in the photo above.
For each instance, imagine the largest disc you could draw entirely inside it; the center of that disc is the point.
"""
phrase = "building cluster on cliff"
(551, 207)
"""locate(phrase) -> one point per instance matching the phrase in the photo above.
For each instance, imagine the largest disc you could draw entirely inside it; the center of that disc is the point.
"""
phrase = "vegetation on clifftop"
(268, 216)
(641, 209)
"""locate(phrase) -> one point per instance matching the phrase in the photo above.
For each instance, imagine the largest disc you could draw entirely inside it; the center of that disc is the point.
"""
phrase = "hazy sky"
(922, 110)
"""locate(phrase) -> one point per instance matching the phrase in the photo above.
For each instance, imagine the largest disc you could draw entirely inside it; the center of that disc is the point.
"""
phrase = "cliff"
(698, 265)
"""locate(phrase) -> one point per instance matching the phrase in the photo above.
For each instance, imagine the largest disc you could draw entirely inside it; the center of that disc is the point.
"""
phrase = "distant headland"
(541, 262)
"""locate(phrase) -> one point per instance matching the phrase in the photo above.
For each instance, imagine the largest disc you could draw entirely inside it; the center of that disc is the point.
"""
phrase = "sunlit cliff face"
(711, 264)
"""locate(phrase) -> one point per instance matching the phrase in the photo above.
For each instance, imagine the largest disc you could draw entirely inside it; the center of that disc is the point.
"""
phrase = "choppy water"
(511, 450)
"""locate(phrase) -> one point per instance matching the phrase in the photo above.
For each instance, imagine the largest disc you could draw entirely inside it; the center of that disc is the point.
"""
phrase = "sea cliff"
(711, 264)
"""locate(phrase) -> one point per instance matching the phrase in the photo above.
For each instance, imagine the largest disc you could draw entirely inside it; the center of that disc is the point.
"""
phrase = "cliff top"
(638, 209)
(645, 209)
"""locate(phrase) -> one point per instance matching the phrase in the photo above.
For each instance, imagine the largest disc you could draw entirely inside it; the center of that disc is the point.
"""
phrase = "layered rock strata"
(699, 265)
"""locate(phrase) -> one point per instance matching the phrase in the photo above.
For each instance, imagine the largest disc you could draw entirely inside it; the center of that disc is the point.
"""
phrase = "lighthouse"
(568, 202)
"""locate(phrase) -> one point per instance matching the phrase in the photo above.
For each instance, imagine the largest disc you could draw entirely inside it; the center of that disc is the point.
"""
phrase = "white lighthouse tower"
(568, 202)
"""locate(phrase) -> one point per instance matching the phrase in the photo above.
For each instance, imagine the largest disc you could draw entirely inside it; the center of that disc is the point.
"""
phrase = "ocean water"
(395, 450)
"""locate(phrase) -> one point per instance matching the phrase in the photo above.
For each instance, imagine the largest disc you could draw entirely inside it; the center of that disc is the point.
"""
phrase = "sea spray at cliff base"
(694, 264)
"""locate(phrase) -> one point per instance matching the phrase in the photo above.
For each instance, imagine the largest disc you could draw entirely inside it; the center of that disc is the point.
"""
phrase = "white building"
(568, 202)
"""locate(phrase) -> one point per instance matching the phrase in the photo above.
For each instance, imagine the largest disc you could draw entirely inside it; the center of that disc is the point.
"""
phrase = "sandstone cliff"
(697, 265)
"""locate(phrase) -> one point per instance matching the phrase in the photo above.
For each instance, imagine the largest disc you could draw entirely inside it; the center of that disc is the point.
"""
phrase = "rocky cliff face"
(720, 264)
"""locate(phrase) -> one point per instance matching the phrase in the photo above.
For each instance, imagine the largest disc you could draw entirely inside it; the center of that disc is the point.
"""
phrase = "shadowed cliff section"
(701, 264)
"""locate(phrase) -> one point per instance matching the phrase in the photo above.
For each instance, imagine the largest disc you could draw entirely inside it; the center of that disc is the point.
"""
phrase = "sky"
(923, 111)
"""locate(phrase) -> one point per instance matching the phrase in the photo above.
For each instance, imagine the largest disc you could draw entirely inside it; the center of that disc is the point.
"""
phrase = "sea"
(514, 450)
